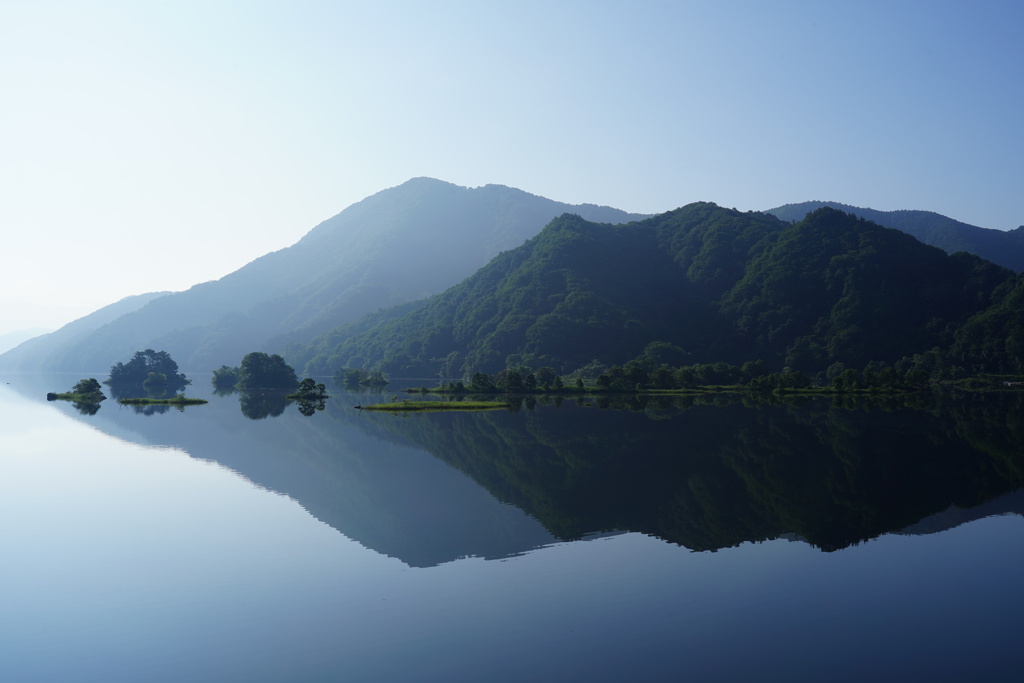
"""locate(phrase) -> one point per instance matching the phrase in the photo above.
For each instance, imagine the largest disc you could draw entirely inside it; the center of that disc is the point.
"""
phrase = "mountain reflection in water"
(705, 473)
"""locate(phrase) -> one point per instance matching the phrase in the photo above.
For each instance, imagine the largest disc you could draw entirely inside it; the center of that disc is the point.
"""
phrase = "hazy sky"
(151, 145)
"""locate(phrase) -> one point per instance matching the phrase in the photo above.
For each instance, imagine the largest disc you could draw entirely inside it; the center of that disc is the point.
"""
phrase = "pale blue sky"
(153, 145)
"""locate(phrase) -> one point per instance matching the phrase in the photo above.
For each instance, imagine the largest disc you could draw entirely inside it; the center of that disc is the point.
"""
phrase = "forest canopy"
(260, 370)
(149, 367)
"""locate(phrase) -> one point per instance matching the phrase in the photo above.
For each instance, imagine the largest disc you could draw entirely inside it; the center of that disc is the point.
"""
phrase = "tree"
(225, 376)
(87, 386)
(155, 379)
(545, 376)
(512, 382)
(309, 389)
(350, 376)
(262, 371)
(481, 383)
(143, 363)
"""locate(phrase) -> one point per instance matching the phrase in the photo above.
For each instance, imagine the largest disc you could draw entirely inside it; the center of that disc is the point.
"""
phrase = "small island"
(85, 391)
(309, 390)
(426, 406)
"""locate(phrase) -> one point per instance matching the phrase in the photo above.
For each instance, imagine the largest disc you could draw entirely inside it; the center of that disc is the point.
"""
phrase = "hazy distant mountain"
(9, 340)
(717, 283)
(51, 346)
(1004, 248)
(400, 244)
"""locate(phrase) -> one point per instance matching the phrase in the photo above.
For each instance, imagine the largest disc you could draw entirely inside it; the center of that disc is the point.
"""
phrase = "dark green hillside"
(722, 285)
(835, 287)
(1003, 248)
(993, 339)
(399, 245)
(576, 292)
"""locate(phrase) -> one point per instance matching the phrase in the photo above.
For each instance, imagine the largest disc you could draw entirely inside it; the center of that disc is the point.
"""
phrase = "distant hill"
(51, 346)
(9, 340)
(398, 245)
(1003, 248)
(719, 284)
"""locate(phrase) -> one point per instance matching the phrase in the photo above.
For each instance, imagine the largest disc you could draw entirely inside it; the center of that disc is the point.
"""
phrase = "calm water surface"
(638, 542)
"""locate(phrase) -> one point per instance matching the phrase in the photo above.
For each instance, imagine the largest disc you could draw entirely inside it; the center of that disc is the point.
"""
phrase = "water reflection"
(86, 407)
(702, 471)
(309, 407)
(261, 404)
(120, 391)
(713, 476)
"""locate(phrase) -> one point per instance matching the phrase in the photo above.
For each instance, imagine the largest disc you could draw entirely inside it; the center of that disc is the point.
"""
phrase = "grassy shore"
(80, 398)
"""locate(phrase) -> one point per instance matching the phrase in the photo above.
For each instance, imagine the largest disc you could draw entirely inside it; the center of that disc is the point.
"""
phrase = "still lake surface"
(674, 540)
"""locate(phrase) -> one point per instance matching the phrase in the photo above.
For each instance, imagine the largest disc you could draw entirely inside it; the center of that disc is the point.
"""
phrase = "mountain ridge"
(399, 244)
(717, 283)
(406, 243)
(1002, 247)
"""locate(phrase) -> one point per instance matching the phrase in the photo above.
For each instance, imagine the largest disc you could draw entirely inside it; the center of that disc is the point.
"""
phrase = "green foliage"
(155, 379)
(837, 288)
(355, 377)
(481, 383)
(309, 390)
(147, 366)
(226, 377)
(993, 339)
(86, 394)
(87, 386)
(263, 371)
(1003, 248)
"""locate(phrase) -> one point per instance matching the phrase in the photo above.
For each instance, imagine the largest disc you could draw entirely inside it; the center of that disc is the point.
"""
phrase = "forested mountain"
(1003, 248)
(719, 284)
(398, 245)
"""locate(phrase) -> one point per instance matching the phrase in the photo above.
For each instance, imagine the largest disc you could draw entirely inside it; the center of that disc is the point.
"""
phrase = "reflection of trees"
(257, 405)
(151, 409)
(708, 477)
(308, 407)
(86, 407)
(358, 389)
(119, 391)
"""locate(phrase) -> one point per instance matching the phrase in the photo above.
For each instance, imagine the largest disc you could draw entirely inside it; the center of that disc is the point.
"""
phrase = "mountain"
(401, 244)
(9, 340)
(52, 345)
(1005, 248)
(720, 284)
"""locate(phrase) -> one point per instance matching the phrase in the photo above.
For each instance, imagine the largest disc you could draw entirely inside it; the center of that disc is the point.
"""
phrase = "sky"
(150, 146)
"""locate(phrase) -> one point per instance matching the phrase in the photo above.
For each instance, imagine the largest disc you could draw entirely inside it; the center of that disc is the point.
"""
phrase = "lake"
(702, 539)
